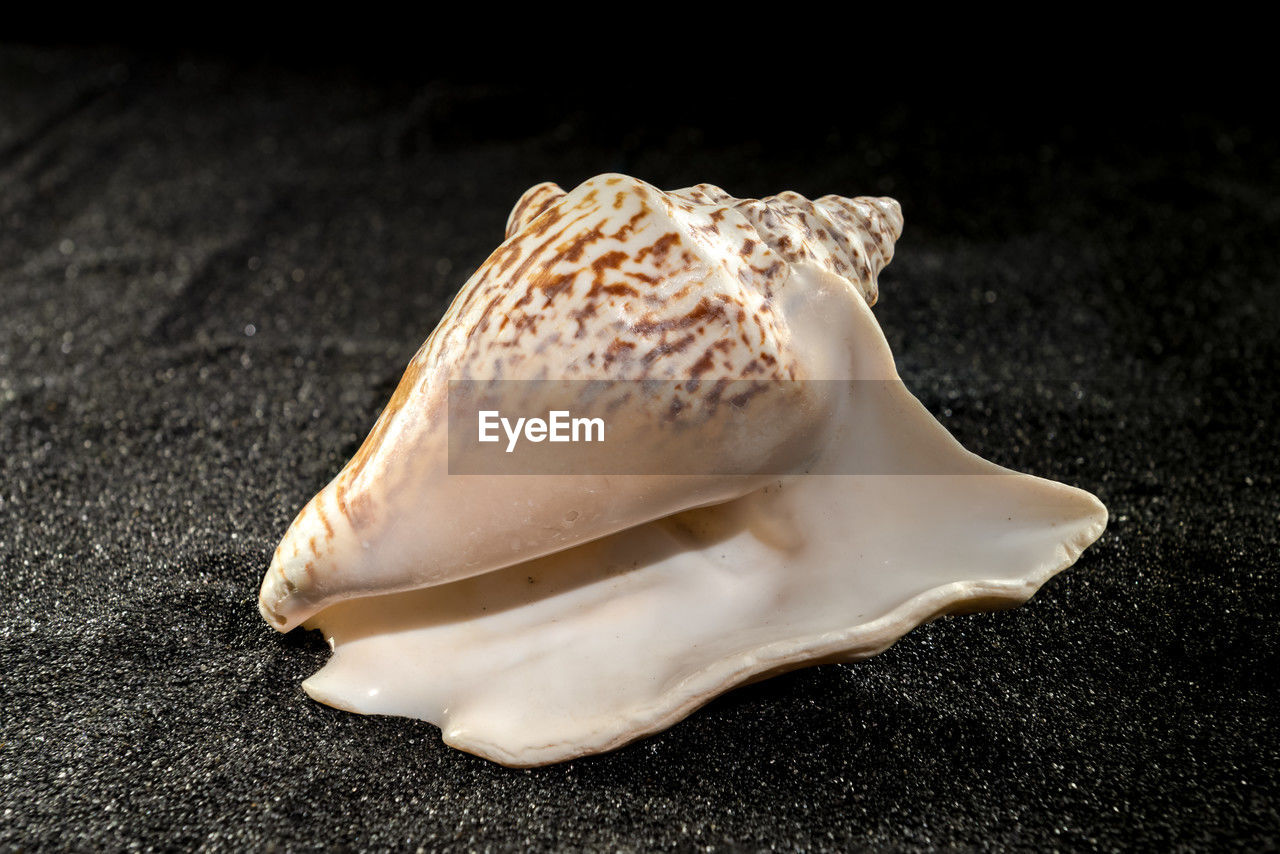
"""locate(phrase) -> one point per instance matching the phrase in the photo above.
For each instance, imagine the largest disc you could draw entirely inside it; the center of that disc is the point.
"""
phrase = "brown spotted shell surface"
(628, 282)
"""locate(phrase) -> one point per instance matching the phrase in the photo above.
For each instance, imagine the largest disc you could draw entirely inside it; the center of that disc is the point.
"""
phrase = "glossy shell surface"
(535, 618)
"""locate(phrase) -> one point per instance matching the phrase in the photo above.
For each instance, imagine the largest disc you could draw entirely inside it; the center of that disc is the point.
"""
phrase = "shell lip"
(854, 643)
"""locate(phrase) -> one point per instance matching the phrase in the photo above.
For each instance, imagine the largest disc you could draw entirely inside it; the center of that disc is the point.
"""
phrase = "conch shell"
(790, 502)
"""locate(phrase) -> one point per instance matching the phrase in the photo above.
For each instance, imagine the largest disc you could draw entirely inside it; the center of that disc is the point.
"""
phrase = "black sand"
(213, 272)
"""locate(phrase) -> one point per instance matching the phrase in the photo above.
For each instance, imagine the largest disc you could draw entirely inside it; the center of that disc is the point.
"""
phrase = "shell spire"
(852, 238)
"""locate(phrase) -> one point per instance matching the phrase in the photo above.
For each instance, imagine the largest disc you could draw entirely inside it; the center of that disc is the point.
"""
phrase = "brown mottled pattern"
(613, 265)
(852, 238)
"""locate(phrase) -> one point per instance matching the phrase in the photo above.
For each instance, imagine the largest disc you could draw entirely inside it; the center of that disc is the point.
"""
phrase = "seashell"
(539, 617)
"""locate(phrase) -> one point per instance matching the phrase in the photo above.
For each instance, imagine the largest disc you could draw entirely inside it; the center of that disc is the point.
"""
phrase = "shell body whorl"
(612, 281)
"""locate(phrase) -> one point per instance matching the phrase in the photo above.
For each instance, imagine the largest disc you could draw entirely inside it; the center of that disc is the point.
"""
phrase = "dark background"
(215, 263)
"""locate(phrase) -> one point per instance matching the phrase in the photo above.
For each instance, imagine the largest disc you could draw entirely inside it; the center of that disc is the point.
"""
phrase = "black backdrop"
(213, 268)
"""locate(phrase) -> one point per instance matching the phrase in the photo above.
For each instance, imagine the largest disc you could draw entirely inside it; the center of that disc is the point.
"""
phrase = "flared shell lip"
(854, 643)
